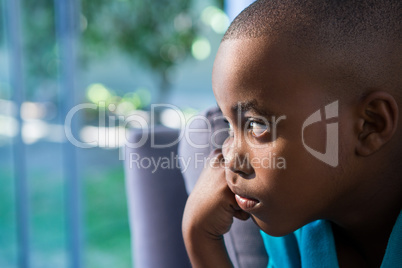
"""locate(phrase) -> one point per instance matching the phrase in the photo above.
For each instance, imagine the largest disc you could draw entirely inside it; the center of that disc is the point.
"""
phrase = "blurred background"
(64, 206)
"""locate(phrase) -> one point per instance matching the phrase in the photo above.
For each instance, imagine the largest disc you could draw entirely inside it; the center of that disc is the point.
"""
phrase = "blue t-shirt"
(313, 245)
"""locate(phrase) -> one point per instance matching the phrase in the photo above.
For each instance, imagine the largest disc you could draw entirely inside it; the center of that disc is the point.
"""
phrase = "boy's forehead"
(240, 62)
(257, 63)
(259, 69)
(241, 54)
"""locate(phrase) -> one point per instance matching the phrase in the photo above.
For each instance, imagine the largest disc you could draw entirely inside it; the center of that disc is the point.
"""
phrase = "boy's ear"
(378, 122)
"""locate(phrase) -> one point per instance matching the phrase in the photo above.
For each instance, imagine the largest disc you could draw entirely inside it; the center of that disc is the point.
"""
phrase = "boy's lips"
(246, 203)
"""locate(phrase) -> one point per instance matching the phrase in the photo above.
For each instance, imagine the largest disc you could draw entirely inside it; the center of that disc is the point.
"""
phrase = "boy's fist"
(211, 205)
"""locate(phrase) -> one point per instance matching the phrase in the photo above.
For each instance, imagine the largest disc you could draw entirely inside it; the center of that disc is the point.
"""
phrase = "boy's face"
(291, 186)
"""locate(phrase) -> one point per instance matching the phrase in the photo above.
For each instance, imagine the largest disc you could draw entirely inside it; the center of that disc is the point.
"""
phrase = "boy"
(279, 63)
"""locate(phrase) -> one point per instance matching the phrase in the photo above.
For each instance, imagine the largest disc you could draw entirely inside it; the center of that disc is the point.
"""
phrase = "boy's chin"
(274, 229)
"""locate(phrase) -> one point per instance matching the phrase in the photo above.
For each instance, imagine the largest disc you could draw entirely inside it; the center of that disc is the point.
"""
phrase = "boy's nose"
(238, 161)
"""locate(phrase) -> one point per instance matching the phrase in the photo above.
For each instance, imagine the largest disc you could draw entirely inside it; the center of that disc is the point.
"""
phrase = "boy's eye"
(257, 128)
(230, 129)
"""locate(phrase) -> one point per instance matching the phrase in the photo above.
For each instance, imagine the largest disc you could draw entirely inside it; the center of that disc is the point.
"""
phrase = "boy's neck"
(365, 226)
(362, 248)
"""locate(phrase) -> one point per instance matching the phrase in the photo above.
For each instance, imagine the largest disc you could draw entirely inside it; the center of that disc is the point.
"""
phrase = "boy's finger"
(241, 215)
(215, 159)
(216, 153)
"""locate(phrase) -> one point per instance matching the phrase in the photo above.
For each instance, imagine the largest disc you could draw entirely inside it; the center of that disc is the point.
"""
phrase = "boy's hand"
(209, 214)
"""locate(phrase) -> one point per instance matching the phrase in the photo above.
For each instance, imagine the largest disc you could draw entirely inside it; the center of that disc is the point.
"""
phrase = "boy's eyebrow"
(250, 106)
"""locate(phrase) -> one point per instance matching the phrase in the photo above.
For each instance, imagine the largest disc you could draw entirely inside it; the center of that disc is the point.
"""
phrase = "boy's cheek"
(226, 146)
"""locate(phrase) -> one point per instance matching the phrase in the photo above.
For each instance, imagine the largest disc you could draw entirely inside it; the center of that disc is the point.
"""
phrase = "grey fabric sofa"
(157, 195)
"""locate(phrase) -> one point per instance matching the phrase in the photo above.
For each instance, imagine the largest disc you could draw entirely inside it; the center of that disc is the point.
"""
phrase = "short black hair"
(363, 32)
(323, 18)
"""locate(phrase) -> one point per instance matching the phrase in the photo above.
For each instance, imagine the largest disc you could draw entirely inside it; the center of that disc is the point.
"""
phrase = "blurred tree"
(157, 33)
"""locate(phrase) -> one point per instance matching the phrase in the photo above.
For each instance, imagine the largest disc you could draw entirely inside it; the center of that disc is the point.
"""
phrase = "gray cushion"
(156, 200)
